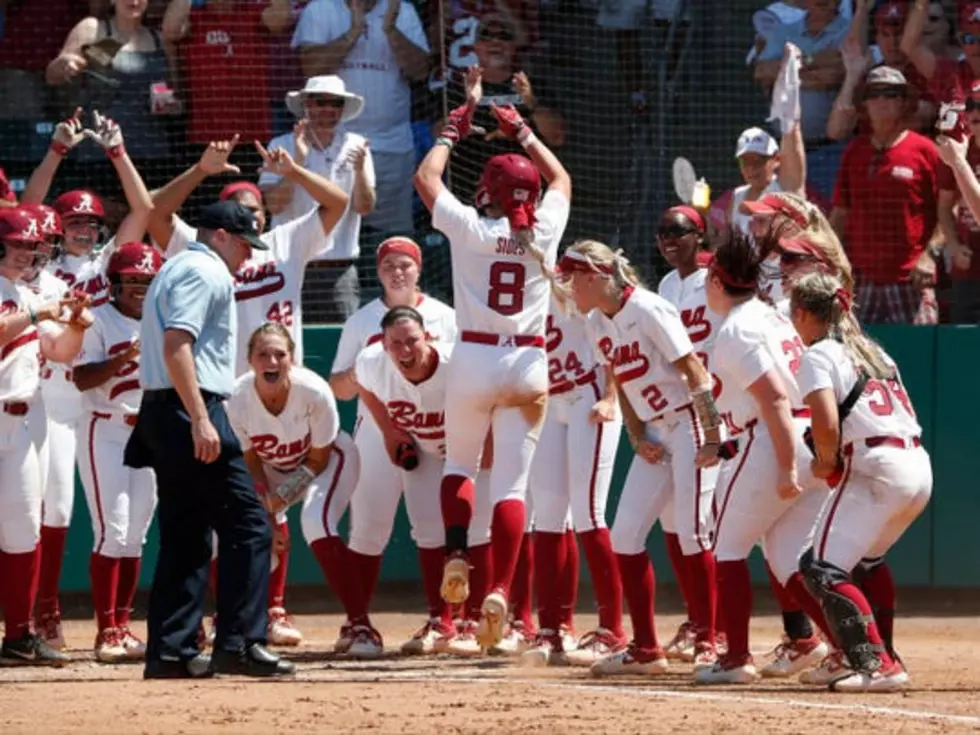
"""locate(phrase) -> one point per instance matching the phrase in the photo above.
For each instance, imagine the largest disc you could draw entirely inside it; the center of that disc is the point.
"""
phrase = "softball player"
(286, 419)
(57, 463)
(641, 337)
(872, 458)
(379, 486)
(761, 489)
(403, 387)
(29, 328)
(571, 473)
(268, 285)
(498, 375)
(681, 238)
(120, 499)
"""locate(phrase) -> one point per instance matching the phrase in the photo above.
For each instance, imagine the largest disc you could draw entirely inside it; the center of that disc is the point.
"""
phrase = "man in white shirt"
(321, 142)
(376, 48)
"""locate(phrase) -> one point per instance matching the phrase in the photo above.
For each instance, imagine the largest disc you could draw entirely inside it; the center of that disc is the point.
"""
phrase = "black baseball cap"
(233, 218)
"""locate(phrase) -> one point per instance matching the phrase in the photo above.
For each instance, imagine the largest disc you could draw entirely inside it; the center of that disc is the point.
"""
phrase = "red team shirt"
(952, 79)
(891, 196)
(226, 59)
(966, 226)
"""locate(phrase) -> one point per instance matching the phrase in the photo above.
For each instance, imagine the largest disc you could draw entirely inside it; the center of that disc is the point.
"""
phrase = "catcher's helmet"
(78, 202)
(133, 258)
(509, 179)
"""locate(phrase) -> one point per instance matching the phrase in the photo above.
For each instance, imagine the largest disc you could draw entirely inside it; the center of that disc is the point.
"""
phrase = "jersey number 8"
(506, 294)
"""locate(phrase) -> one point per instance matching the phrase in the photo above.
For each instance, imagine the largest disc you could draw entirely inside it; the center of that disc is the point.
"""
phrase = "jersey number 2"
(506, 294)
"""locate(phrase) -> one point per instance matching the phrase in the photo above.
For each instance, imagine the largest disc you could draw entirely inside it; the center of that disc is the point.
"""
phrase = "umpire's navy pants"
(194, 499)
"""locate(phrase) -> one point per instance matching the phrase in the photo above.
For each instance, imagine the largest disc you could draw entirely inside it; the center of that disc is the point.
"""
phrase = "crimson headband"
(575, 262)
(402, 246)
(237, 186)
(691, 213)
(730, 280)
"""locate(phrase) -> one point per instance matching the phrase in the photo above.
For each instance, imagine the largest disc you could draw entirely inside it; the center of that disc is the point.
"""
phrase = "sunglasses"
(888, 93)
(503, 35)
(794, 258)
(673, 232)
(969, 39)
(335, 102)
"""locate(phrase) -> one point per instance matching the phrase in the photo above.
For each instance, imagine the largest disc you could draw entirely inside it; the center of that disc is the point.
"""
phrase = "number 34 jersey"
(269, 284)
(112, 333)
(498, 284)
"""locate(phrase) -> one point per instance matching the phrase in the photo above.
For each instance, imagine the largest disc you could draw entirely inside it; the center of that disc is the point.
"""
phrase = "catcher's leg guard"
(843, 615)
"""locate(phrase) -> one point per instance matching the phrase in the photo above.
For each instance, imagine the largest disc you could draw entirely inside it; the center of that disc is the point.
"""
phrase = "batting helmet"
(79, 202)
(133, 259)
(18, 225)
(513, 183)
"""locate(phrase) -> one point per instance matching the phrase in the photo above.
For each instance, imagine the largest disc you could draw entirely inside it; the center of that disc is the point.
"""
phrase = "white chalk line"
(699, 695)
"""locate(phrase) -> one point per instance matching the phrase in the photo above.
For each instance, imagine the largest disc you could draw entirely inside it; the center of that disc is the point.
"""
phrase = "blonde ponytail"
(827, 299)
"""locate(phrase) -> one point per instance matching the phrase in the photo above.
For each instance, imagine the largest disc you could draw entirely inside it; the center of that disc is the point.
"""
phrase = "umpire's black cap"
(233, 218)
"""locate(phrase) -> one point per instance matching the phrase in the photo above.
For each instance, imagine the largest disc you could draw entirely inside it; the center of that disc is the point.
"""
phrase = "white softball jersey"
(111, 334)
(572, 362)
(884, 408)
(753, 340)
(309, 419)
(419, 408)
(20, 367)
(85, 273)
(60, 394)
(363, 329)
(641, 342)
(269, 284)
(331, 163)
(691, 300)
(498, 285)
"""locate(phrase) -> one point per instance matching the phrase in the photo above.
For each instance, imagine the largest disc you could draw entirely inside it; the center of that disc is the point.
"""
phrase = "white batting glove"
(107, 134)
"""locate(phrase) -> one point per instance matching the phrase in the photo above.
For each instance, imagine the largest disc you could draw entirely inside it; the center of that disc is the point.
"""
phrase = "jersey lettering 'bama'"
(127, 369)
(627, 360)
(423, 424)
(269, 449)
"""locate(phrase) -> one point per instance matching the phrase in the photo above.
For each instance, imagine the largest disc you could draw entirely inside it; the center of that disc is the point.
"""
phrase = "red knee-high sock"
(735, 593)
(878, 586)
(105, 583)
(20, 579)
(456, 497)
(852, 593)
(481, 572)
(681, 572)
(506, 533)
(569, 582)
(340, 572)
(277, 578)
(787, 601)
(639, 587)
(521, 597)
(703, 588)
(52, 555)
(431, 562)
(550, 557)
(797, 588)
(129, 577)
(367, 569)
(607, 584)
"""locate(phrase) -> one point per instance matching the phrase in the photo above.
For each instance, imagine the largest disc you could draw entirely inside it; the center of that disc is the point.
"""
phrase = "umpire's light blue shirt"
(193, 292)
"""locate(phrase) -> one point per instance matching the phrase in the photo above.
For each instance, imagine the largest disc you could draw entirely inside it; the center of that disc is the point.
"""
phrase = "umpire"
(188, 346)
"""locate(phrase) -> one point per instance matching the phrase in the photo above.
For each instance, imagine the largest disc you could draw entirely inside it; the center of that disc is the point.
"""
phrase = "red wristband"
(59, 148)
(261, 488)
(115, 151)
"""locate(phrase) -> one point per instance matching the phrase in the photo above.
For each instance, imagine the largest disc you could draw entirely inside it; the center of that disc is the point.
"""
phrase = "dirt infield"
(443, 695)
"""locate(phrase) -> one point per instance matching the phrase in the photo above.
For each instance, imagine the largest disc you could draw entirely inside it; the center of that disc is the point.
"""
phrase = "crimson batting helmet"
(79, 202)
(20, 226)
(133, 259)
(513, 183)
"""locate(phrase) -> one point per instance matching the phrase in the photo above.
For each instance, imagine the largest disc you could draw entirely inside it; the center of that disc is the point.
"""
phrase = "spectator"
(885, 207)
(818, 35)
(284, 70)
(960, 227)
(123, 91)
(225, 51)
(374, 49)
(332, 290)
(503, 84)
(889, 19)
(951, 77)
(458, 25)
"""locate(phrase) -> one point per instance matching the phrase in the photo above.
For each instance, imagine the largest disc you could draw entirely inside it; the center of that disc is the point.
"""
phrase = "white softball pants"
(329, 494)
(20, 486)
(121, 500)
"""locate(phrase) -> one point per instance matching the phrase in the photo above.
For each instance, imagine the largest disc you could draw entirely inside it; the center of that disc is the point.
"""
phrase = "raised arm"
(67, 135)
(176, 20)
(409, 48)
(69, 63)
(912, 46)
(512, 125)
(843, 116)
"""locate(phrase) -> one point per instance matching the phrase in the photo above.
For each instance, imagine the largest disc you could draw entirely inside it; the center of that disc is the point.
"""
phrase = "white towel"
(786, 91)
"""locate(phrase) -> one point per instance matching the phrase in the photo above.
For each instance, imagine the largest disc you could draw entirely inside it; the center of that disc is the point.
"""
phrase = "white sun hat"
(332, 85)
(756, 140)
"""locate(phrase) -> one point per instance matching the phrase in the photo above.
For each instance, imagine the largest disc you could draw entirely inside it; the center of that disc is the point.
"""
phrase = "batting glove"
(67, 134)
(107, 134)
(510, 124)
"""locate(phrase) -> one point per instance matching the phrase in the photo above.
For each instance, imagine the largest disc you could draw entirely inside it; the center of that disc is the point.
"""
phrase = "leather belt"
(503, 340)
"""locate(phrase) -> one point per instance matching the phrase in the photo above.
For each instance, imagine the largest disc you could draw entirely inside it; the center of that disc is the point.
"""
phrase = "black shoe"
(198, 667)
(256, 660)
(31, 650)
